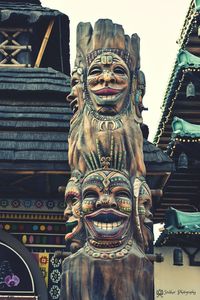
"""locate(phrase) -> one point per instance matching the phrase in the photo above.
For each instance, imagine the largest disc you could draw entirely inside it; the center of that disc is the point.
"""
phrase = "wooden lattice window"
(15, 48)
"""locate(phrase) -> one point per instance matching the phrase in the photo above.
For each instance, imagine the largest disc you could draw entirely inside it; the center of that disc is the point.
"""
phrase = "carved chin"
(108, 99)
(107, 224)
(108, 104)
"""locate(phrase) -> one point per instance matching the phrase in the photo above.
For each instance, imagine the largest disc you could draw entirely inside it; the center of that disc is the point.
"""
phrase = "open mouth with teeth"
(106, 224)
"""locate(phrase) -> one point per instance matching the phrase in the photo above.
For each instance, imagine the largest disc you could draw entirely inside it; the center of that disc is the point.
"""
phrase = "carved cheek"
(122, 83)
(76, 210)
(88, 205)
(125, 205)
(92, 82)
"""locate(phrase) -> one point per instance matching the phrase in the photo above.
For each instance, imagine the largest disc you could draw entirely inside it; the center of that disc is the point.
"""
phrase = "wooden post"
(44, 43)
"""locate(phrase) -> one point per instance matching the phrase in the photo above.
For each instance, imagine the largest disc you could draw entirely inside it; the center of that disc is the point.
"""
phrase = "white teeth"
(103, 226)
(109, 97)
(107, 226)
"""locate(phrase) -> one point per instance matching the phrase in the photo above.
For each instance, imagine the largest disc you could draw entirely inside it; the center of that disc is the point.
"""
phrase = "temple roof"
(28, 11)
(178, 129)
(189, 30)
(19, 2)
(155, 159)
(185, 129)
(33, 131)
(33, 80)
(176, 103)
(181, 228)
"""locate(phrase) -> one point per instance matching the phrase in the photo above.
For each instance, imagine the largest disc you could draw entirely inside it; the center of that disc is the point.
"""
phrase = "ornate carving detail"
(108, 200)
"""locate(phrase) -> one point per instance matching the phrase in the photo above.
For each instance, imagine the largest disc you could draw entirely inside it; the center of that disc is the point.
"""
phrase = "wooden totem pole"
(108, 200)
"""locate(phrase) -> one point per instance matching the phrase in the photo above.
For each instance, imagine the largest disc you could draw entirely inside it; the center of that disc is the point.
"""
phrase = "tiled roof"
(181, 228)
(175, 103)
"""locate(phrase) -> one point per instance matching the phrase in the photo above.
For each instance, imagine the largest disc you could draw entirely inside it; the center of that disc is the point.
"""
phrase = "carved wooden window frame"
(10, 47)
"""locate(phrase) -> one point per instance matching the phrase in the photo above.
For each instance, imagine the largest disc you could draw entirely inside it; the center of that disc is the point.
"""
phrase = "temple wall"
(176, 282)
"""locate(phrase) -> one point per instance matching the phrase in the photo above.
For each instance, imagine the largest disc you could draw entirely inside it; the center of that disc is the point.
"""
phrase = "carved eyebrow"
(91, 183)
(119, 187)
(97, 60)
(116, 59)
(89, 191)
(120, 184)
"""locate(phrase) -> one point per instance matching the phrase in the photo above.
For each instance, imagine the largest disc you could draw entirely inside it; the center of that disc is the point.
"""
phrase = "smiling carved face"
(108, 82)
(107, 205)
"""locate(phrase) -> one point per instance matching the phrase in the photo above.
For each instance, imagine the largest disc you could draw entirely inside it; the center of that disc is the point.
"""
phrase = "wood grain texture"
(86, 278)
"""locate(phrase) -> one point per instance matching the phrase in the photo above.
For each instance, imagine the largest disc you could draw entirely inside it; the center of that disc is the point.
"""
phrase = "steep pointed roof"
(176, 103)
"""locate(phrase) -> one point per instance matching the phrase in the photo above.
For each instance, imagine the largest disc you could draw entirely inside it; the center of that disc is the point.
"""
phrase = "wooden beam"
(16, 29)
(172, 199)
(179, 193)
(174, 186)
(158, 173)
(186, 112)
(187, 102)
(15, 66)
(34, 172)
(44, 43)
(181, 206)
(193, 50)
(194, 39)
(12, 47)
(157, 193)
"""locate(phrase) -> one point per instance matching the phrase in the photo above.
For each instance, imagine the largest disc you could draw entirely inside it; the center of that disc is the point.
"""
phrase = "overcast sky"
(157, 22)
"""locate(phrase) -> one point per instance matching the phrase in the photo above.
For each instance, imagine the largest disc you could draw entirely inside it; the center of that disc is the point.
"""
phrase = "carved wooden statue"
(108, 200)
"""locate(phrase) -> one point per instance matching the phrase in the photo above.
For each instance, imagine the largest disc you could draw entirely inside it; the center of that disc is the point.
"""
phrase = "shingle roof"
(29, 11)
(33, 79)
(155, 159)
(34, 119)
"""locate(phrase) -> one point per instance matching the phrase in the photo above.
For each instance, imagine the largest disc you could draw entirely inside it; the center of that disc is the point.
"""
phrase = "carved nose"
(107, 77)
(105, 202)
(72, 95)
(67, 213)
(72, 100)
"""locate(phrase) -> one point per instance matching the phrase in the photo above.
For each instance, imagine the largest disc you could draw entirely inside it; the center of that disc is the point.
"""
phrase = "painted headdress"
(106, 37)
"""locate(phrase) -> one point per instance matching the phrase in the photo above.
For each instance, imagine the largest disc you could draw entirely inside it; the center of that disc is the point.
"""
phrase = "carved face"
(108, 83)
(75, 98)
(73, 208)
(107, 205)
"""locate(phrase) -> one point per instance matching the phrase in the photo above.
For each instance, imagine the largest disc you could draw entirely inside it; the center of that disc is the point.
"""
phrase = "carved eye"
(120, 71)
(123, 194)
(90, 194)
(74, 82)
(70, 199)
(94, 71)
(74, 200)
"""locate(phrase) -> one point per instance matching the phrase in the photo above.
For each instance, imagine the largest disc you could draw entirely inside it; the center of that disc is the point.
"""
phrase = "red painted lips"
(107, 92)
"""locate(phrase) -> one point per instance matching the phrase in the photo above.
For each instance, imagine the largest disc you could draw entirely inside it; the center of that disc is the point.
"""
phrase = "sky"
(157, 22)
